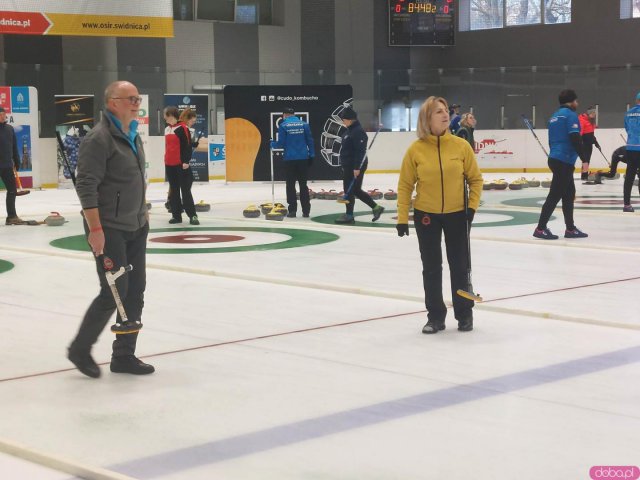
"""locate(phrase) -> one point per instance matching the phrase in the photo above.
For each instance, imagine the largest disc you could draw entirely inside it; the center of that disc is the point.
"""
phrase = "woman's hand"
(403, 229)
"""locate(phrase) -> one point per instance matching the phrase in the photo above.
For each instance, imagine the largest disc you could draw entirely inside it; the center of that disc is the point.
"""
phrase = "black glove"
(403, 229)
(595, 142)
(470, 214)
(310, 161)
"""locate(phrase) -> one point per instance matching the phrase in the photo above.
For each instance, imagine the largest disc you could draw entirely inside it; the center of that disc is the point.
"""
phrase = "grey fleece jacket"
(111, 177)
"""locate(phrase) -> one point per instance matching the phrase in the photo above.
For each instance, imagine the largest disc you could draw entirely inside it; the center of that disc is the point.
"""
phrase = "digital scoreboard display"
(425, 23)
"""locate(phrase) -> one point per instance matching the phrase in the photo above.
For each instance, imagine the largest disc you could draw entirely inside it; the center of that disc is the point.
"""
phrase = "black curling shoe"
(432, 327)
(84, 362)
(130, 364)
(465, 325)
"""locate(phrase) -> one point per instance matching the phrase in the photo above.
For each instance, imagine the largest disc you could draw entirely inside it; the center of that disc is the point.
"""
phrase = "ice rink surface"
(296, 352)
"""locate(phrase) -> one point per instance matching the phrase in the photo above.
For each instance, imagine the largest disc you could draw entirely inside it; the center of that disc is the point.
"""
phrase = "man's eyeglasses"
(132, 100)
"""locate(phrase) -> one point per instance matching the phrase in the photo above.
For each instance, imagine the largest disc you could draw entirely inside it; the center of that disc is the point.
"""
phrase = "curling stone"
(54, 220)
(593, 179)
(533, 182)
(266, 207)
(390, 195)
(312, 195)
(277, 213)
(517, 184)
(524, 181)
(545, 183)
(500, 184)
(251, 212)
(331, 195)
(375, 194)
(148, 206)
(201, 206)
(487, 186)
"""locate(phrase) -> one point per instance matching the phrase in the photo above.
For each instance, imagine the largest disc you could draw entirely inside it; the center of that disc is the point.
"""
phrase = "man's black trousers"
(296, 171)
(562, 188)
(633, 162)
(9, 180)
(123, 248)
(356, 190)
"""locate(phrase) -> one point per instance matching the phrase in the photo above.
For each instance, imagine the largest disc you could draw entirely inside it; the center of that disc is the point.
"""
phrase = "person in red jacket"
(177, 155)
(587, 131)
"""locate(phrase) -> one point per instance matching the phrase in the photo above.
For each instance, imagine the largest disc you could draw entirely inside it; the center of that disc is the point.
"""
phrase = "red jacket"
(586, 126)
(172, 146)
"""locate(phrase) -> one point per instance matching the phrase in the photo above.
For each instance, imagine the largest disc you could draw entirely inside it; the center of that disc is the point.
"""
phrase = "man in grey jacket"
(111, 189)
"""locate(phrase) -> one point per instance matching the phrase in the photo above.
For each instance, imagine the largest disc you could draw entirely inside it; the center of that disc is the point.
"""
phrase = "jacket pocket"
(117, 203)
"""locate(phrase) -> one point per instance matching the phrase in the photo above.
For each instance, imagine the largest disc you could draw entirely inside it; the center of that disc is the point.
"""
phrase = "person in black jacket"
(9, 159)
(353, 160)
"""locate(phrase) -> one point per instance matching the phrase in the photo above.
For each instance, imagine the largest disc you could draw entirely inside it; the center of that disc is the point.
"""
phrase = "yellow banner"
(109, 25)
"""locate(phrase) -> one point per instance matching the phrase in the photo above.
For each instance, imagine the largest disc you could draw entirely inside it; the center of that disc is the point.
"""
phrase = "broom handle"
(15, 173)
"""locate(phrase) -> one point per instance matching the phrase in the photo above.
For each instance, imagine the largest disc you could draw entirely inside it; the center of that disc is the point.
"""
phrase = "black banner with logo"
(252, 117)
(74, 118)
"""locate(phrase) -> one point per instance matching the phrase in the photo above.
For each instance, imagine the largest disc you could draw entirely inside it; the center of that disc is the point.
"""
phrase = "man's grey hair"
(111, 89)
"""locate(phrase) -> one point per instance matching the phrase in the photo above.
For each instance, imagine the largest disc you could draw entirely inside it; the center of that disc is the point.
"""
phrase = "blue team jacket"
(632, 126)
(563, 123)
(294, 136)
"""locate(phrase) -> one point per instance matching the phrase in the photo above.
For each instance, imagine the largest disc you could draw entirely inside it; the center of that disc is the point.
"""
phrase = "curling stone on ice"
(266, 207)
(375, 194)
(312, 195)
(201, 206)
(518, 184)
(251, 212)
(500, 184)
(331, 195)
(545, 183)
(54, 220)
(278, 213)
(533, 182)
(390, 195)
(487, 185)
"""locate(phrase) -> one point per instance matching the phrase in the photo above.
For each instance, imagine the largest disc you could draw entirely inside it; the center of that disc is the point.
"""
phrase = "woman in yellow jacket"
(436, 166)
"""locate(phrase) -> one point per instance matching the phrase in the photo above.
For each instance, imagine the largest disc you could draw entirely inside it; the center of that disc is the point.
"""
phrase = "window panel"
(183, 9)
(486, 14)
(523, 12)
(223, 10)
(636, 8)
(557, 11)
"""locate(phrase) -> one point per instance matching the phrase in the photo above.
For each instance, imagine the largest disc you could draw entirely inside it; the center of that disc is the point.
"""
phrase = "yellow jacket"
(436, 167)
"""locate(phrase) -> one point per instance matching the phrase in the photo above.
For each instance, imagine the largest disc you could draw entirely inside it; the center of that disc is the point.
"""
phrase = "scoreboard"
(425, 23)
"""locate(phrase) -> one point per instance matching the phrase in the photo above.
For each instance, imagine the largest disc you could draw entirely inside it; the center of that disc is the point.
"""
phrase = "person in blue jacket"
(632, 126)
(294, 136)
(566, 146)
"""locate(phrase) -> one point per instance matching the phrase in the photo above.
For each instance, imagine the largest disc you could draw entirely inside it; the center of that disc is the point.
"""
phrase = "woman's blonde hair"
(187, 114)
(464, 119)
(426, 112)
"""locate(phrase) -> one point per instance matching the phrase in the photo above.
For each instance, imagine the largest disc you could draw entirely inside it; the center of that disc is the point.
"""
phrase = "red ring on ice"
(199, 238)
